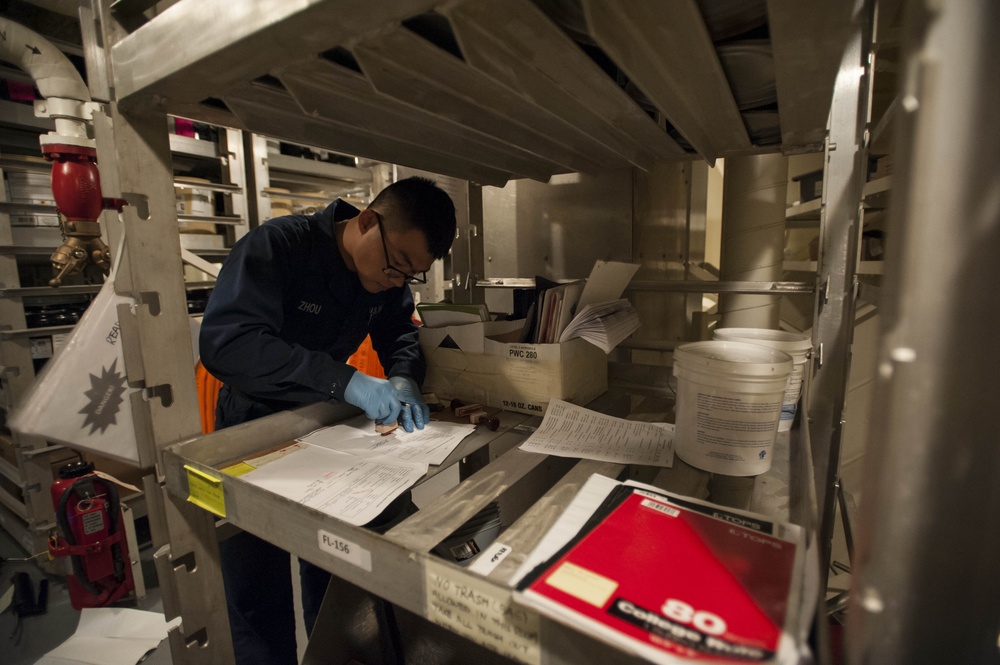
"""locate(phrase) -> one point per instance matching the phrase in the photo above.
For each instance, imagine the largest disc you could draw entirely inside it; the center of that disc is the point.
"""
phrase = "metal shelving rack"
(226, 156)
(568, 116)
(506, 47)
(308, 180)
(28, 463)
(531, 490)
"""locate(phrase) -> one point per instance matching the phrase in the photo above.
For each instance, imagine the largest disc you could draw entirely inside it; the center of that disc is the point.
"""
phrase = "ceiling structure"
(491, 90)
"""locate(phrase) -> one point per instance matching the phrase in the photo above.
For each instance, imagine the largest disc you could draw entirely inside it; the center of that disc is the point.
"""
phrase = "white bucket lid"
(733, 358)
(776, 339)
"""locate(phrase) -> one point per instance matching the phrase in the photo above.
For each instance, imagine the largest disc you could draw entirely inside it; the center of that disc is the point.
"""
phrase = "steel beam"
(515, 43)
(408, 68)
(666, 50)
(135, 154)
(807, 40)
(266, 110)
(329, 91)
(840, 235)
(202, 48)
(926, 585)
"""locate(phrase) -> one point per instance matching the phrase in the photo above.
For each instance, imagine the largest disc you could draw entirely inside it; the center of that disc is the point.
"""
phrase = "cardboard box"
(810, 185)
(483, 362)
(883, 168)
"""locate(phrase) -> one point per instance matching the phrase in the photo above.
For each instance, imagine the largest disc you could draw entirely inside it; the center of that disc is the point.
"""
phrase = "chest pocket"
(318, 321)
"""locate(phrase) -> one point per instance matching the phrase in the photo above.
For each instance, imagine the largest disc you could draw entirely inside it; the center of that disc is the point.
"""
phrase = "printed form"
(568, 430)
(350, 472)
(353, 489)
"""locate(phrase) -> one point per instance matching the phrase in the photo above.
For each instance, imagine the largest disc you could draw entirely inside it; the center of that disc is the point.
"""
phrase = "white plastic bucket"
(794, 344)
(729, 397)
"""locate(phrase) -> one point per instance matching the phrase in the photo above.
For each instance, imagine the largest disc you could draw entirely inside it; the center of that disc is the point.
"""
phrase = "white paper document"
(604, 325)
(351, 488)
(357, 436)
(574, 517)
(110, 636)
(568, 430)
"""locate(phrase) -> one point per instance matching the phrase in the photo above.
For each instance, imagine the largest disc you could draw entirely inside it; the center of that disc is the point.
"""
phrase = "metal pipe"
(53, 73)
(76, 181)
(927, 586)
(753, 236)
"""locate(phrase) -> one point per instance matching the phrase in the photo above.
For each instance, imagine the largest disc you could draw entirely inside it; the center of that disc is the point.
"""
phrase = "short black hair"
(419, 203)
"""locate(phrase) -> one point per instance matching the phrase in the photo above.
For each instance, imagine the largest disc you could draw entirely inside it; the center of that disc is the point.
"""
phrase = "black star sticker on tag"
(105, 399)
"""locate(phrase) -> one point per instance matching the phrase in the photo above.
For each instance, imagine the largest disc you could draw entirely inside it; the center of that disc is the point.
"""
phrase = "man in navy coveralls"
(295, 298)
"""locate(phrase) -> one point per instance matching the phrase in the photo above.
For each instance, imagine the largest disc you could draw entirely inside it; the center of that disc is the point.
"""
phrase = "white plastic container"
(729, 397)
(794, 344)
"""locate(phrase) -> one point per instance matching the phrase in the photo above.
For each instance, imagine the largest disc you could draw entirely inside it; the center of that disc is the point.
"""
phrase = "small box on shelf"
(485, 362)
(872, 245)
(883, 168)
(810, 185)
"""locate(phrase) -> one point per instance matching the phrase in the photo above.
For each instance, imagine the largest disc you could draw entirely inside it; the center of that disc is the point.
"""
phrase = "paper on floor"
(110, 636)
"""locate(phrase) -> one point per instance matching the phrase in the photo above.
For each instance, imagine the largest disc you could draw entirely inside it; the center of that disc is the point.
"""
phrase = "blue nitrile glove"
(417, 413)
(379, 399)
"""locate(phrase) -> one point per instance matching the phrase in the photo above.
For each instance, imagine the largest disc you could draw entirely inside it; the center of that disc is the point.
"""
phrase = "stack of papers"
(672, 579)
(605, 325)
(350, 472)
(591, 308)
(554, 306)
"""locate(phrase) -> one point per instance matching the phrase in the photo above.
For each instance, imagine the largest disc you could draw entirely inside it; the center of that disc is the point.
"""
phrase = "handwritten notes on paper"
(475, 609)
(350, 472)
(573, 431)
(353, 489)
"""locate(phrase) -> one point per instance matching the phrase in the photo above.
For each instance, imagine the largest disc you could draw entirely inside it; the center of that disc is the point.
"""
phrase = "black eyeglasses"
(391, 270)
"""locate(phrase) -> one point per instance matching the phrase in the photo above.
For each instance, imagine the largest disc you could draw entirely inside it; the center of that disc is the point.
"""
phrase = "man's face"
(389, 256)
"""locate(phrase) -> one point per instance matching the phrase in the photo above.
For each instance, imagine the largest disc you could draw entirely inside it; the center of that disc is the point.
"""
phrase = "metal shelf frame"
(513, 54)
(531, 490)
(522, 99)
(173, 63)
(27, 513)
(11, 206)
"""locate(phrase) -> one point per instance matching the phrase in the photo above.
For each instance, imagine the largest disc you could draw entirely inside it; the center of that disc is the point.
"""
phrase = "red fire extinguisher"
(88, 513)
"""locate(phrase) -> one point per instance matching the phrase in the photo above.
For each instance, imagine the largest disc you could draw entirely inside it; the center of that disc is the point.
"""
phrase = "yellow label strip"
(205, 491)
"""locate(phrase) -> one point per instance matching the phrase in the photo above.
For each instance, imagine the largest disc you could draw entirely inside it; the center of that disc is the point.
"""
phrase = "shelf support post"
(925, 582)
(846, 158)
(136, 165)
